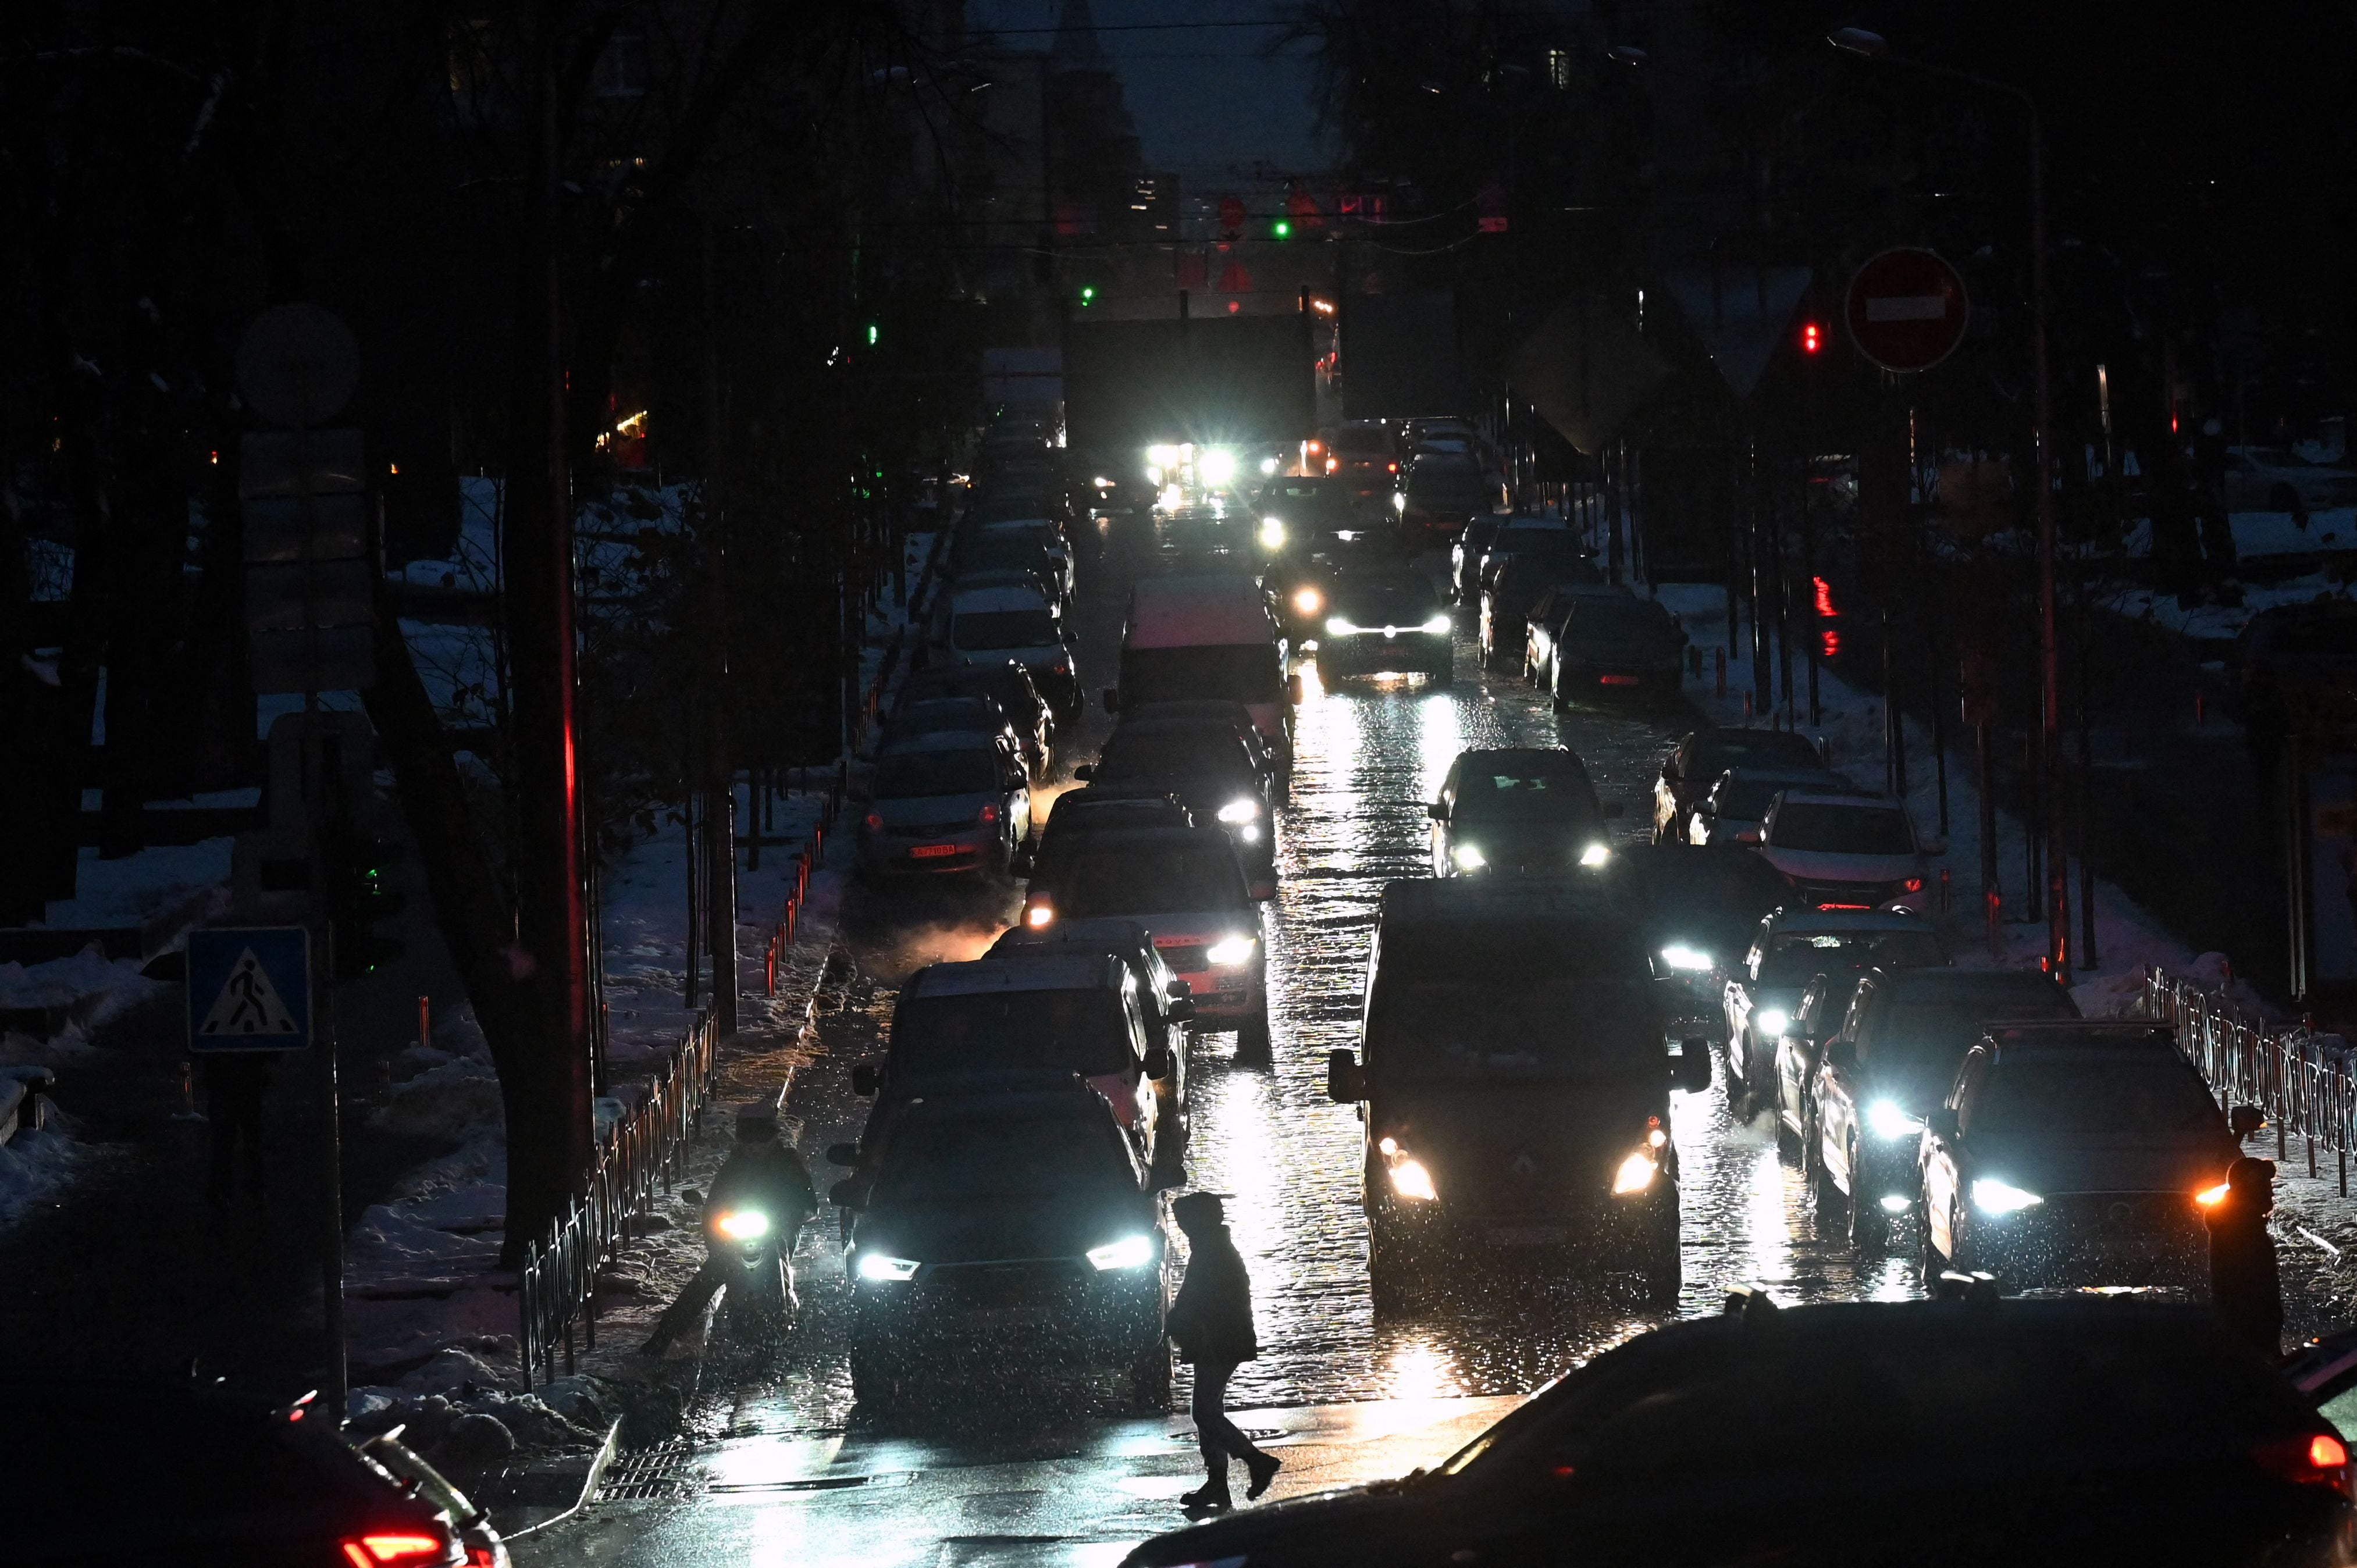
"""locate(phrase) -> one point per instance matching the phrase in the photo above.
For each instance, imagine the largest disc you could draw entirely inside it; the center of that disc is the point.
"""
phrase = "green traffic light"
(1089, 294)
(1284, 230)
(871, 333)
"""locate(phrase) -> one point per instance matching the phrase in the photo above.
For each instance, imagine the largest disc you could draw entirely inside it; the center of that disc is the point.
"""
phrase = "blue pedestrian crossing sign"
(249, 989)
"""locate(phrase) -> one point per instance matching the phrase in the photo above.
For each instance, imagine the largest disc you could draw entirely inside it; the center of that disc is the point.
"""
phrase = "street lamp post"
(1872, 46)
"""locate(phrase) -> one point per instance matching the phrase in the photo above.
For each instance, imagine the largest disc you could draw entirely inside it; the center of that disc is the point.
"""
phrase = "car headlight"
(1438, 625)
(1236, 812)
(1039, 915)
(1595, 855)
(1770, 1022)
(1272, 533)
(1309, 602)
(1636, 1173)
(1468, 857)
(742, 1224)
(1268, 465)
(1887, 1121)
(1677, 955)
(1228, 954)
(1337, 627)
(2212, 1197)
(876, 1266)
(1399, 500)
(1411, 1180)
(1162, 457)
(1217, 467)
(1993, 1197)
(1248, 833)
(1129, 1253)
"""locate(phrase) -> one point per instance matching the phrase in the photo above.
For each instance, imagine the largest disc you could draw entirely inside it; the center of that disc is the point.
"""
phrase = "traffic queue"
(1529, 1006)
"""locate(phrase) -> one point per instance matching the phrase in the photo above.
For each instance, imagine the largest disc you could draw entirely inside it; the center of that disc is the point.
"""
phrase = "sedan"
(1386, 623)
(953, 803)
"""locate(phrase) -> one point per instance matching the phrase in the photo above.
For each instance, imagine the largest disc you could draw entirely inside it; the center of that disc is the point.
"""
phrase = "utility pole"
(719, 779)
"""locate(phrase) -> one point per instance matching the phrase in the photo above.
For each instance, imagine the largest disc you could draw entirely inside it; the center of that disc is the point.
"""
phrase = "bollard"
(425, 1020)
(187, 1110)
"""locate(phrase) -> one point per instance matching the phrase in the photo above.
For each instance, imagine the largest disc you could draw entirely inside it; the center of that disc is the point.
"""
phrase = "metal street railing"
(2305, 1081)
(646, 1149)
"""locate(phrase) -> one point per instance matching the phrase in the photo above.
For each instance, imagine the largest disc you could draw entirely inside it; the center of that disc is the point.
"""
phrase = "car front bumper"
(1060, 1314)
(2080, 1241)
(1414, 652)
(1598, 1227)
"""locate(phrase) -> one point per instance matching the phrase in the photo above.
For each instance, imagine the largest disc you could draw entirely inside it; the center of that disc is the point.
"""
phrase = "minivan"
(1207, 637)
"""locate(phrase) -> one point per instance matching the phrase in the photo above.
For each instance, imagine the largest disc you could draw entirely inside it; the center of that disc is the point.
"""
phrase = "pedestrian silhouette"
(236, 1084)
(2243, 1283)
(1211, 1324)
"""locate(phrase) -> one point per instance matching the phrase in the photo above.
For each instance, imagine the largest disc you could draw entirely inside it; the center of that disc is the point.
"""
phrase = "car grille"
(1866, 893)
(988, 1287)
(1189, 958)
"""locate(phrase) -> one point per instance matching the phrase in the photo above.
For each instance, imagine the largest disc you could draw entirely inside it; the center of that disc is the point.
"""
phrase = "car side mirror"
(2245, 1120)
(1616, 808)
(1112, 699)
(1841, 1054)
(1085, 771)
(1157, 1062)
(864, 1078)
(1180, 1010)
(1943, 1121)
(843, 1154)
(1346, 1080)
(1691, 1071)
(1296, 690)
(844, 1194)
(1437, 812)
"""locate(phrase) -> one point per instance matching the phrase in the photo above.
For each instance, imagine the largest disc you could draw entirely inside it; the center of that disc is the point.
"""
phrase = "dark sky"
(1209, 101)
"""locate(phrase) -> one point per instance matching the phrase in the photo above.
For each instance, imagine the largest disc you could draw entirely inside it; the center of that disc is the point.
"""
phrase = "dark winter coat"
(2243, 1283)
(767, 1176)
(1211, 1321)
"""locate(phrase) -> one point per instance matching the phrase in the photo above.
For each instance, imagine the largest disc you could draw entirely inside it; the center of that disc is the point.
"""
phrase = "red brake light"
(394, 1547)
(1394, 467)
(875, 822)
(2327, 1451)
(1913, 884)
(989, 813)
(2318, 1459)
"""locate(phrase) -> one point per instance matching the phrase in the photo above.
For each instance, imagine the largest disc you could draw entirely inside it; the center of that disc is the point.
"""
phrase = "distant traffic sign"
(1907, 310)
(249, 989)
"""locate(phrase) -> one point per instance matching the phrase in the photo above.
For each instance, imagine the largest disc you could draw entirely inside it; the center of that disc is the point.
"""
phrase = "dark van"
(1513, 1083)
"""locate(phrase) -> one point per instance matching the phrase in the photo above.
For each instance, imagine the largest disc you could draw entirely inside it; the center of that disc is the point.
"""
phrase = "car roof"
(2043, 1035)
(1016, 593)
(1829, 920)
(1120, 933)
(998, 976)
(1197, 611)
(942, 740)
(1147, 838)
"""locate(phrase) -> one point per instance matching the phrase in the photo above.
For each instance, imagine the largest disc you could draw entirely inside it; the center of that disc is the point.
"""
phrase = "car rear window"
(1161, 753)
(1084, 1031)
(909, 775)
(1715, 753)
(1820, 829)
(1793, 958)
(1361, 440)
(1538, 790)
(1005, 629)
(1604, 615)
(1148, 879)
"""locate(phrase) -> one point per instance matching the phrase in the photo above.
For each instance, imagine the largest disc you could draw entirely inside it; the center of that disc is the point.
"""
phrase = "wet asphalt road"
(1076, 1473)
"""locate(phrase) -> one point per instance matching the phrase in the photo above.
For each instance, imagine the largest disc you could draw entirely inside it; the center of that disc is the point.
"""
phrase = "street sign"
(249, 989)
(1907, 310)
(297, 364)
(308, 576)
(1231, 215)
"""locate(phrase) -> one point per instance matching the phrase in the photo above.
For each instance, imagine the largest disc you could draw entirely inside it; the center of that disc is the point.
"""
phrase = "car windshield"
(907, 775)
(1483, 1029)
(1823, 829)
(1161, 753)
(1505, 791)
(985, 1160)
(1072, 817)
(1715, 753)
(1926, 1037)
(1308, 502)
(1390, 603)
(1793, 957)
(1005, 629)
(2092, 1098)
(1238, 672)
(1200, 877)
(1605, 616)
(1084, 1031)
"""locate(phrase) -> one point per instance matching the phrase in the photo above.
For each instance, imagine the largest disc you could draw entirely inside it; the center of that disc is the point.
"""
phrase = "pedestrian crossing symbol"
(249, 990)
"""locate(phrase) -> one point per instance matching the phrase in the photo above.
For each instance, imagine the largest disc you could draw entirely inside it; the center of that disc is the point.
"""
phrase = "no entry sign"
(1907, 310)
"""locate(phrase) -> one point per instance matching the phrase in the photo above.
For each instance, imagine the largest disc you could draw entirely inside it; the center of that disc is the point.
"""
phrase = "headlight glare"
(1993, 1197)
(1770, 1022)
(876, 1266)
(1677, 955)
(1336, 626)
(1411, 1180)
(1636, 1173)
(1468, 857)
(742, 1224)
(1309, 602)
(1439, 625)
(1230, 952)
(1217, 466)
(1595, 855)
(1129, 1253)
(1888, 1121)
(1272, 533)
(1239, 811)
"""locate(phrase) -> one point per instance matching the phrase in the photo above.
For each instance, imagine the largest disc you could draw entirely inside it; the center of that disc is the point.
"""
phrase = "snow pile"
(88, 988)
(35, 1167)
(171, 886)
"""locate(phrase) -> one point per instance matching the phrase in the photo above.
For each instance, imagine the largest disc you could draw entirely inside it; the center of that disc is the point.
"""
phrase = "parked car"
(1102, 809)
(989, 623)
(1877, 1076)
(1792, 947)
(949, 804)
(1848, 850)
(1596, 645)
(120, 1471)
(2271, 479)
(1465, 557)
(1515, 1086)
(1005, 683)
(1511, 586)
(1386, 623)
(1734, 810)
(977, 714)
(2078, 1153)
(1854, 1435)
(1698, 759)
(1008, 1229)
(1188, 887)
(1442, 492)
(1699, 910)
(1210, 771)
(1519, 811)
(1217, 716)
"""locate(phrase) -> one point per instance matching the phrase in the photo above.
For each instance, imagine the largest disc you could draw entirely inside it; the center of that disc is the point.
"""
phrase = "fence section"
(2306, 1082)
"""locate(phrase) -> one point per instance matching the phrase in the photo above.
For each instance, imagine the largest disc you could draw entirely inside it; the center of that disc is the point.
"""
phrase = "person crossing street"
(1211, 1324)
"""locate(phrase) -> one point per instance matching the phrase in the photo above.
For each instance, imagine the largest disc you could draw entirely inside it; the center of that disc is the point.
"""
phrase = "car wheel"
(1788, 1147)
(1252, 1043)
(1870, 1227)
(1822, 1186)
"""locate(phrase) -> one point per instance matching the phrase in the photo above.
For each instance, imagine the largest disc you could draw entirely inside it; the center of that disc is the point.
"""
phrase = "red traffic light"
(1813, 338)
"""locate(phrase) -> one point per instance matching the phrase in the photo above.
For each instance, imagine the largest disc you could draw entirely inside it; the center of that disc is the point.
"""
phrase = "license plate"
(931, 850)
(1617, 680)
(1528, 1236)
(1012, 1316)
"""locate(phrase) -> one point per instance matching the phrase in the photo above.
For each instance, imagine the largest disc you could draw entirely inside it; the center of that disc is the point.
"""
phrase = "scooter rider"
(763, 1176)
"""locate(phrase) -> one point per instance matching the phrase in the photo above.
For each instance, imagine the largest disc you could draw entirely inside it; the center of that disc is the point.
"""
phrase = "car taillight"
(482, 1557)
(875, 822)
(2312, 1459)
(989, 813)
(1912, 884)
(395, 1549)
